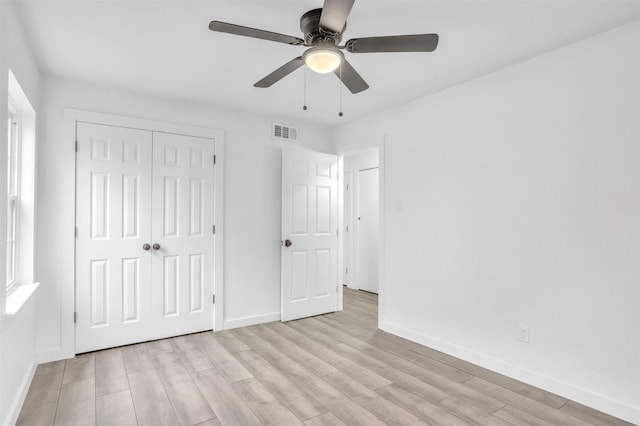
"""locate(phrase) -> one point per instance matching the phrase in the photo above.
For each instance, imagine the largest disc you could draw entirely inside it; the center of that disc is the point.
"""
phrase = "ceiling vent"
(280, 131)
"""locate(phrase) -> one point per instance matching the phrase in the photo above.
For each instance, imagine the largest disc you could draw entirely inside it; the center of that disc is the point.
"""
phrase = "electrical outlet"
(523, 333)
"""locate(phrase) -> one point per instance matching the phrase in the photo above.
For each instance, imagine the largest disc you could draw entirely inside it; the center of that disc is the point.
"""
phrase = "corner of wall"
(20, 396)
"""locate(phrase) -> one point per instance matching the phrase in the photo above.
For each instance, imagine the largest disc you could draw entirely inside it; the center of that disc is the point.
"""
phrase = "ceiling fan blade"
(350, 77)
(224, 27)
(401, 43)
(334, 15)
(280, 73)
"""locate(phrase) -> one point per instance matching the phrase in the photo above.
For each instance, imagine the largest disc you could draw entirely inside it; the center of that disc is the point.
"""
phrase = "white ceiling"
(165, 48)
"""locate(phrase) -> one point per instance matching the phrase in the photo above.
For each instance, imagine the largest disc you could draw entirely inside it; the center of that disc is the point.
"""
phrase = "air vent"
(280, 131)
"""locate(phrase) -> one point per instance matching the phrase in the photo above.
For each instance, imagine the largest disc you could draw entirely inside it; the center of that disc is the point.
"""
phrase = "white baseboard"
(252, 320)
(54, 355)
(21, 395)
(583, 396)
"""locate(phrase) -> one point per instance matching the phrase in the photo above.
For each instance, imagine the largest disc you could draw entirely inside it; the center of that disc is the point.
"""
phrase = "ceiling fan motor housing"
(310, 26)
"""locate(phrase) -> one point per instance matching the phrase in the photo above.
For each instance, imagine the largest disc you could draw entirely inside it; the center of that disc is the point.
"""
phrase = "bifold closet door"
(144, 245)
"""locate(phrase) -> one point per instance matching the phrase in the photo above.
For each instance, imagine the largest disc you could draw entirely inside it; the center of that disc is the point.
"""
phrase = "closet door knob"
(287, 243)
(156, 246)
(146, 247)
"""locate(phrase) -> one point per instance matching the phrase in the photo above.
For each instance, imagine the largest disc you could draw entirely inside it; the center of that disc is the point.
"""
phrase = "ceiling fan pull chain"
(340, 114)
(304, 107)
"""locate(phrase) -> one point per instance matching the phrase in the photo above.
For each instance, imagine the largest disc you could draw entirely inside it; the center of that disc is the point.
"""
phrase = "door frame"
(376, 142)
(70, 118)
(361, 161)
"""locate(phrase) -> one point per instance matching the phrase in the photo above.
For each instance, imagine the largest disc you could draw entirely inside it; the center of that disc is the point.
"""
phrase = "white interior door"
(182, 261)
(309, 233)
(127, 291)
(368, 229)
(113, 207)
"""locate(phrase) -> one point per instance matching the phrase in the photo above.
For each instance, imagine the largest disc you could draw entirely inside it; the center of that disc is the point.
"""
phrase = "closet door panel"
(182, 263)
(113, 207)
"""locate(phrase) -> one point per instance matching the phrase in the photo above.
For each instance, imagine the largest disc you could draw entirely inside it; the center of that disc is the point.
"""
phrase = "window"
(13, 196)
(19, 150)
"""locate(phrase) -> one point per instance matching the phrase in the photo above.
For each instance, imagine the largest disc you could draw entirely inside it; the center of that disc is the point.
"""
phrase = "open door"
(309, 233)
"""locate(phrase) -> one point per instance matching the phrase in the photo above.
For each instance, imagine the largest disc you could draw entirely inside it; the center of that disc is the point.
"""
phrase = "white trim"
(141, 123)
(218, 249)
(12, 216)
(252, 320)
(21, 395)
(52, 355)
(13, 198)
(382, 279)
(14, 159)
(70, 117)
(341, 274)
(19, 297)
(583, 396)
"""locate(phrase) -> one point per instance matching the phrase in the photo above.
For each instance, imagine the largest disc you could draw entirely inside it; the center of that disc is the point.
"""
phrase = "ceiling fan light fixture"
(322, 59)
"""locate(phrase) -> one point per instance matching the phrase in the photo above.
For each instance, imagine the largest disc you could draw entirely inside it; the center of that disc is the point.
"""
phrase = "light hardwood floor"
(333, 369)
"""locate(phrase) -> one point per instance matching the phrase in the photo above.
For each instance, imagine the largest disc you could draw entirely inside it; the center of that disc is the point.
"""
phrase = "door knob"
(287, 243)
(146, 247)
(156, 246)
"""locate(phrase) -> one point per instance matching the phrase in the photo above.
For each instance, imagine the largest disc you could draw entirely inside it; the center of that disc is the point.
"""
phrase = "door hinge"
(75, 317)
(76, 146)
(76, 232)
(347, 228)
(347, 270)
(213, 299)
(214, 229)
(336, 232)
(347, 187)
(214, 159)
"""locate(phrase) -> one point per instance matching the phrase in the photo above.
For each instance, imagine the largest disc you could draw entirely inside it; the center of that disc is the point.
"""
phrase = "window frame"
(13, 197)
(21, 288)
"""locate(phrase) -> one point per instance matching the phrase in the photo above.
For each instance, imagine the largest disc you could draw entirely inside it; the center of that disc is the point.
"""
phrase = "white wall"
(521, 204)
(252, 201)
(17, 333)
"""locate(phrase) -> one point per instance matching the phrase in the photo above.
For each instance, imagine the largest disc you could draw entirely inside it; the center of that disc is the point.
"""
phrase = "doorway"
(361, 217)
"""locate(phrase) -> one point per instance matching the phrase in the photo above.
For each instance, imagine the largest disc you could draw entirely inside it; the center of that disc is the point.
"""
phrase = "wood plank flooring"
(334, 369)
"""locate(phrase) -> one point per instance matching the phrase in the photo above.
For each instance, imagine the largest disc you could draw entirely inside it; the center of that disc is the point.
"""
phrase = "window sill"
(19, 297)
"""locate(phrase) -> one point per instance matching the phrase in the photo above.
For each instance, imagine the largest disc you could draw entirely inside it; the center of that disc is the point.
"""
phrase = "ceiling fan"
(323, 29)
